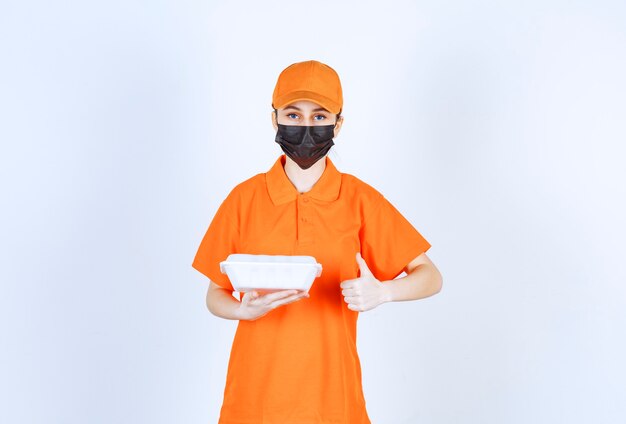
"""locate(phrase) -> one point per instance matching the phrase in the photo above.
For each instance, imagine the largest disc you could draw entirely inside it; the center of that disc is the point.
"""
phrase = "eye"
(292, 115)
(319, 117)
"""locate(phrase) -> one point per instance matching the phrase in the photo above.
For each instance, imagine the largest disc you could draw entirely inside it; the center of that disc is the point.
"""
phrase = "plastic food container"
(270, 272)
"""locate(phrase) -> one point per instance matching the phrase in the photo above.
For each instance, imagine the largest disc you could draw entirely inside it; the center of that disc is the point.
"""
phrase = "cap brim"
(296, 96)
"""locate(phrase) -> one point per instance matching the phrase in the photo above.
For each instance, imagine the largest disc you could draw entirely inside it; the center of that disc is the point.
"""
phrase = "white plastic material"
(270, 272)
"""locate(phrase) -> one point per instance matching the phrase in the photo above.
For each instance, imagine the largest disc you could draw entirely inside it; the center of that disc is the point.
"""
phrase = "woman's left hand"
(363, 293)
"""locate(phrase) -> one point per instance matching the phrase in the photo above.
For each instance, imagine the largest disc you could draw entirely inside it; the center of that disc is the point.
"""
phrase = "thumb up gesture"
(363, 293)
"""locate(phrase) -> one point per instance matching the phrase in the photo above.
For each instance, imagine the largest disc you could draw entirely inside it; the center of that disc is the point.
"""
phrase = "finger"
(363, 268)
(348, 292)
(286, 294)
(287, 300)
(271, 297)
(251, 295)
(347, 284)
(351, 300)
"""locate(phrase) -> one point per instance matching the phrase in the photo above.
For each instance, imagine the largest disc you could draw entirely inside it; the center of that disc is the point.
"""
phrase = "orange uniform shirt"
(299, 363)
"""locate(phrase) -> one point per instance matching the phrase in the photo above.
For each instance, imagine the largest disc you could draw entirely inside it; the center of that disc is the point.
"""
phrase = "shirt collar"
(281, 190)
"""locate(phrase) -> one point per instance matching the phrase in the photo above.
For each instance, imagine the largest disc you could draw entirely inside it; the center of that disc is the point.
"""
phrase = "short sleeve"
(220, 240)
(389, 241)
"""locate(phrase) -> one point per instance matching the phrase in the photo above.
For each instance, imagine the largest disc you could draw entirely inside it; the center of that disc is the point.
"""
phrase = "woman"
(294, 357)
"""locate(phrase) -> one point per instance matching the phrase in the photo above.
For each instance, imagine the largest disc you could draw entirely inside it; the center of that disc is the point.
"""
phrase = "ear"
(274, 121)
(338, 126)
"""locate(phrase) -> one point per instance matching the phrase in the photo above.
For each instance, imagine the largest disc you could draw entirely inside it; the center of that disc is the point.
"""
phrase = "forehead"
(305, 106)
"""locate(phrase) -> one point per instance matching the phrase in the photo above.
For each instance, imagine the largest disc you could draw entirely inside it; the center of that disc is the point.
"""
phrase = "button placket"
(305, 227)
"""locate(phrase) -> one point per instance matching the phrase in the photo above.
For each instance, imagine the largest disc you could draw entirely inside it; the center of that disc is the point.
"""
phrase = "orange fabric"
(310, 80)
(299, 363)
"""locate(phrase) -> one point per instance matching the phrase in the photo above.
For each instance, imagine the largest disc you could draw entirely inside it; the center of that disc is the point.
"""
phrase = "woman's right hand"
(254, 305)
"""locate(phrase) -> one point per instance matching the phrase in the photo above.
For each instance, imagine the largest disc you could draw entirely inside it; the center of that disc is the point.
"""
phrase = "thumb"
(363, 268)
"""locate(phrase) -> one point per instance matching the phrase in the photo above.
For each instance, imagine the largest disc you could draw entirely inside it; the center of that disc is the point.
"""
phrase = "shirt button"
(305, 200)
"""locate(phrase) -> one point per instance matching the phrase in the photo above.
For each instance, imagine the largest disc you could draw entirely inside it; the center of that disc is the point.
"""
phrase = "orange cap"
(310, 80)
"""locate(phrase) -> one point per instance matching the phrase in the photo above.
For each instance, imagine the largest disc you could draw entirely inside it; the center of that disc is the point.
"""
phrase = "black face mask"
(305, 144)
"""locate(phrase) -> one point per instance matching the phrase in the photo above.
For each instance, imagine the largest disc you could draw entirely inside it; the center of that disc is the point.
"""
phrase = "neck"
(304, 179)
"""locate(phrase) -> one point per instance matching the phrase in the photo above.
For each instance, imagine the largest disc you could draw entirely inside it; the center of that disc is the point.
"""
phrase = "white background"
(496, 128)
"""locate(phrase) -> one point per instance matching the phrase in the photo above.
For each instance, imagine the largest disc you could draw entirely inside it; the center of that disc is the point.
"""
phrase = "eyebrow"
(319, 109)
